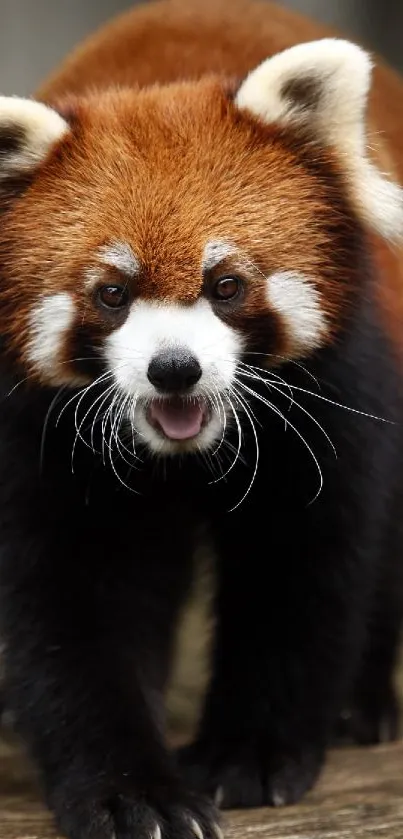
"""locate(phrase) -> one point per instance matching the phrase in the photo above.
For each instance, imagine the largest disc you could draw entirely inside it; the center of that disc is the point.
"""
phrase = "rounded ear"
(323, 86)
(28, 130)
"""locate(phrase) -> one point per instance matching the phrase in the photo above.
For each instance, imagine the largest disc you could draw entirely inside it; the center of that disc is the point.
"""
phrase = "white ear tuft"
(323, 86)
(28, 129)
(325, 82)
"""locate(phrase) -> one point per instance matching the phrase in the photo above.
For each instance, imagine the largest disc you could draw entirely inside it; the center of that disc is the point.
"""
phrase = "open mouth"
(178, 419)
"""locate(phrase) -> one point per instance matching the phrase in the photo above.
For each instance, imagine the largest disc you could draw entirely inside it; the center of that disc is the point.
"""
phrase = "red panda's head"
(159, 238)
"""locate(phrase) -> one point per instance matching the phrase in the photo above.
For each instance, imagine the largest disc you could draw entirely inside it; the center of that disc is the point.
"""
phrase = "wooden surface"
(360, 796)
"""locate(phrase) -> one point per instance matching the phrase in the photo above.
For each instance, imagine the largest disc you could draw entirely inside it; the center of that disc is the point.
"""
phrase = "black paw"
(136, 817)
(374, 720)
(252, 776)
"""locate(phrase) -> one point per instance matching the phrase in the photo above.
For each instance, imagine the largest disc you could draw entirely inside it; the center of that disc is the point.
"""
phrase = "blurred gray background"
(36, 34)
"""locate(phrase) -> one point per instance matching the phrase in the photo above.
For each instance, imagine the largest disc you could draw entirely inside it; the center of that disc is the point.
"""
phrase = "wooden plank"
(360, 796)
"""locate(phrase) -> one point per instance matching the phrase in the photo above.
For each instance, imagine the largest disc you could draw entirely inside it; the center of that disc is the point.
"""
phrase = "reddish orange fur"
(168, 40)
(97, 188)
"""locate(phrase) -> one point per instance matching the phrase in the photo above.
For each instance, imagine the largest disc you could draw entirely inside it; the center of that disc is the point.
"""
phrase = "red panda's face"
(157, 241)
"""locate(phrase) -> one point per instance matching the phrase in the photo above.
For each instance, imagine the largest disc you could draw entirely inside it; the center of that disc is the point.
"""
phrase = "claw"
(278, 799)
(219, 796)
(217, 830)
(196, 829)
(157, 832)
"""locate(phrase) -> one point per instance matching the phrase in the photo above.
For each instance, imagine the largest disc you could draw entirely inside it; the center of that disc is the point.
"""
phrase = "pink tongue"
(178, 420)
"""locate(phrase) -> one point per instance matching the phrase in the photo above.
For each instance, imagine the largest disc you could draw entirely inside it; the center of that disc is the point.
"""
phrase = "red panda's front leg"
(88, 596)
(292, 612)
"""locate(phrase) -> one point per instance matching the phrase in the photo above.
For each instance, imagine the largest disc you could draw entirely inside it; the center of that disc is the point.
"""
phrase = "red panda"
(201, 323)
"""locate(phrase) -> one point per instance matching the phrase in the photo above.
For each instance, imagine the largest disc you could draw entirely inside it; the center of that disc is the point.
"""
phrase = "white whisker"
(78, 394)
(120, 411)
(249, 415)
(110, 447)
(285, 360)
(239, 430)
(102, 399)
(277, 389)
(279, 413)
(344, 407)
(78, 426)
(100, 379)
(46, 424)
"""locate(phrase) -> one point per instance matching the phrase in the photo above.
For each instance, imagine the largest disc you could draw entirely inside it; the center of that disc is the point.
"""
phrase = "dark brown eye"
(114, 296)
(226, 288)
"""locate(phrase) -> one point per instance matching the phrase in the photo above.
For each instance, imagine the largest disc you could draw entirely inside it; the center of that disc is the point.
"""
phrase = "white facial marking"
(50, 321)
(40, 127)
(295, 298)
(337, 75)
(153, 327)
(92, 277)
(120, 256)
(215, 252)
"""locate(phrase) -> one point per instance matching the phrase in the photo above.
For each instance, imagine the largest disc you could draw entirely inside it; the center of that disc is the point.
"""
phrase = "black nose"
(174, 370)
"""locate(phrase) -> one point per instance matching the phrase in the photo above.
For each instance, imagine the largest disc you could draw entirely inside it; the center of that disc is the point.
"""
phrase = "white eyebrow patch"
(215, 252)
(49, 323)
(120, 256)
(296, 299)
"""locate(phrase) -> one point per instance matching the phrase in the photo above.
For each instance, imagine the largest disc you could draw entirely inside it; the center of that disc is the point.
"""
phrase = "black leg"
(88, 609)
(292, 612)
(373, 715)
(2, 705)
